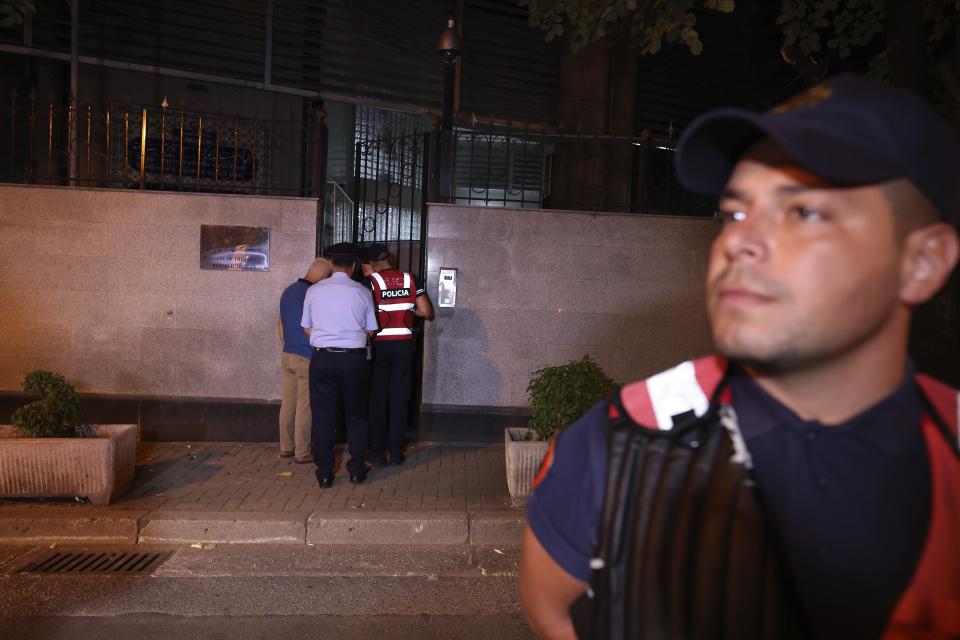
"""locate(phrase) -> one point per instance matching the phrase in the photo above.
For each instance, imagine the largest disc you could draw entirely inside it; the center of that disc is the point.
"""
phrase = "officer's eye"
(728, 216)
(806, 213)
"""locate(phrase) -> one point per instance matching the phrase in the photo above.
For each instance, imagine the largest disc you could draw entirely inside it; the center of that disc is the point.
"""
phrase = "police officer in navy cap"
(339, 317)
(804, 481)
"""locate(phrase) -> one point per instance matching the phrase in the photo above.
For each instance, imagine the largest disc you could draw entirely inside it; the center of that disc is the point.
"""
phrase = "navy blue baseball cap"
(376, 252)
(848, 130)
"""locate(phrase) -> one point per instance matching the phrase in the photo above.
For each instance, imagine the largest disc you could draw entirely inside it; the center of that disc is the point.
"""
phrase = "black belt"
(339, 350)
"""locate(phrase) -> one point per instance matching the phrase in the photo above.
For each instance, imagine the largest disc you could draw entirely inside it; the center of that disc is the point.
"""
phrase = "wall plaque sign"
(225, 248)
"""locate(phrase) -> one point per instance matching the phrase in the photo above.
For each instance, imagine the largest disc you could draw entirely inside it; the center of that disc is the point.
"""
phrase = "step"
(106, 525)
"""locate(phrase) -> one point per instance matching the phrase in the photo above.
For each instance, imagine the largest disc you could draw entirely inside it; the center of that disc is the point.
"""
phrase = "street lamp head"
(450, 46)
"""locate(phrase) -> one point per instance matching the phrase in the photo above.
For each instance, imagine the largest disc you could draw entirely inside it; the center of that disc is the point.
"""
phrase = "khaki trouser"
(295, 405)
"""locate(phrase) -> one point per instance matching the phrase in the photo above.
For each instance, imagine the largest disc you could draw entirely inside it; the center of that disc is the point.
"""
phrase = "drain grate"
(127, 564)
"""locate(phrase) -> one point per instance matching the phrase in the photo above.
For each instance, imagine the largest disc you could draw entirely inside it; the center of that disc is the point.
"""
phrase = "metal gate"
(390, 197)
(389, 206)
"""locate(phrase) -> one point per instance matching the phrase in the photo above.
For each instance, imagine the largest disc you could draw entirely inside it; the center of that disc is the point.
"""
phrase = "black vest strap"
(683, 549)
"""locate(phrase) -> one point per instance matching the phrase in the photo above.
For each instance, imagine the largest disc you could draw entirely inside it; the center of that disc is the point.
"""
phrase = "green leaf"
(54, 414)
(560, 395)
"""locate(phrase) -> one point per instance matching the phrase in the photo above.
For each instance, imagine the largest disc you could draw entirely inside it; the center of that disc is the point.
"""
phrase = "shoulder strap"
(376, 277)
(945, 400)
(687, 387)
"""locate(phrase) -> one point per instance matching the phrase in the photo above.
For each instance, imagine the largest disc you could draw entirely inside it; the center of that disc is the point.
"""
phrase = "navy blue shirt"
(295, 340)
(850, 502)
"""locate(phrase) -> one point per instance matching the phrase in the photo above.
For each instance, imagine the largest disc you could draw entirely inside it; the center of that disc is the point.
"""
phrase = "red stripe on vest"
(710, 372)
(930, 607)
(943, 398)
(546, 464)
(636, 400)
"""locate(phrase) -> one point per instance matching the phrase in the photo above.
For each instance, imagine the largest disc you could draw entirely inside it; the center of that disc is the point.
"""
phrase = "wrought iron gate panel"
(390, 196)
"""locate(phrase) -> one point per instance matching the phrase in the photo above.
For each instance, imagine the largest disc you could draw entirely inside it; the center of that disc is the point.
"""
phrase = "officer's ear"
(929, 257)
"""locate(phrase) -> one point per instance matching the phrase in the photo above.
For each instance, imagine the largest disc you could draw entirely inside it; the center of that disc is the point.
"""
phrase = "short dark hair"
(343, 261)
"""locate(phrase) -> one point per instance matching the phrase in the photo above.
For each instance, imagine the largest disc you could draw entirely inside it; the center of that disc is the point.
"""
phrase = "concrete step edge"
(40, 525)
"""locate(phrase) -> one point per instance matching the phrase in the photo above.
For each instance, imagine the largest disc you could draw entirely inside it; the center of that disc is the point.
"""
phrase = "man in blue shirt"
(295, 366)
(339, 318)
(840, 212)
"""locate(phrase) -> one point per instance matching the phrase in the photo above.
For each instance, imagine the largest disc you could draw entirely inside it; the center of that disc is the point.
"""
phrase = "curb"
(46, 525)
(68, 525)
(225, 527)
(388, 527)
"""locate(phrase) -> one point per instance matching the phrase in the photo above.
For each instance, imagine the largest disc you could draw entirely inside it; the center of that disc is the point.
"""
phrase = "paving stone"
(206, 479)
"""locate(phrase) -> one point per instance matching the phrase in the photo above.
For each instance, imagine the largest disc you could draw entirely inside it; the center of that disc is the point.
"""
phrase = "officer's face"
(801, 272)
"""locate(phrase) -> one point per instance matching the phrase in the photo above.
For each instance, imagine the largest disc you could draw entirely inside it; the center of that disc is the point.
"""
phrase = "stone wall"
(105, 287)
(540, 288)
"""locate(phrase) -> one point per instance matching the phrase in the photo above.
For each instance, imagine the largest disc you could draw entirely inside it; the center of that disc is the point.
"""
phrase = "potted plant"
(558, 397)
(45, 454)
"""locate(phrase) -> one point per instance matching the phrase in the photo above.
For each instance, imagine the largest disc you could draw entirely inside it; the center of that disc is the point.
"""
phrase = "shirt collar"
(340, 275)
(304, 280)
(887, 424)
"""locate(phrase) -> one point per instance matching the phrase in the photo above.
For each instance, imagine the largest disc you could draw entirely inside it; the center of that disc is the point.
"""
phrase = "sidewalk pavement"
(210, 493)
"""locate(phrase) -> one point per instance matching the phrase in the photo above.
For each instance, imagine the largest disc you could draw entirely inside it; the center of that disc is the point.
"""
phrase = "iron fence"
(134, 146)
(533, 168)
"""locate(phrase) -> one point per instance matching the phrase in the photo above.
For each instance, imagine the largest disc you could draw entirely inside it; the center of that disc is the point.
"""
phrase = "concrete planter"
(99, 467)
(523, 460)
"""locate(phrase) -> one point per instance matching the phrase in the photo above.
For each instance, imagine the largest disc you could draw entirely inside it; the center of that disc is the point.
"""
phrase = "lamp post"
(450, 49)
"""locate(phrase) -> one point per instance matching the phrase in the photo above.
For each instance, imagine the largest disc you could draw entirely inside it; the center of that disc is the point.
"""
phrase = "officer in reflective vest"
(398, 299)
(806, 481)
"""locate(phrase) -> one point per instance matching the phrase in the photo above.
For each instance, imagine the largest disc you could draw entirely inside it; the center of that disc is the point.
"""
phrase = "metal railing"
(529, 168)
(134, 146)
(338, 217)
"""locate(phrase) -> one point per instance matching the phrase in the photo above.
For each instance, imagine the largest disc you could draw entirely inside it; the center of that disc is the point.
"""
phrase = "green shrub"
(54, 414)
(560, 395)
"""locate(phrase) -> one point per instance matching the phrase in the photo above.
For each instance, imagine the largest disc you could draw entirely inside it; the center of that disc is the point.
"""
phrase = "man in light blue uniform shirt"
(339, 317)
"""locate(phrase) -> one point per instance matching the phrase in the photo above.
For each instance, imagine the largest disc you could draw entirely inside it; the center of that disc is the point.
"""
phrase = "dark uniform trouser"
(390, 396)
(334, 376)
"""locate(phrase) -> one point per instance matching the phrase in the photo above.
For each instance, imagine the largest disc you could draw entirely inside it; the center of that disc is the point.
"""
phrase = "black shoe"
(325, 480)
(357, 478)
(378, 461)
(397, 459)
